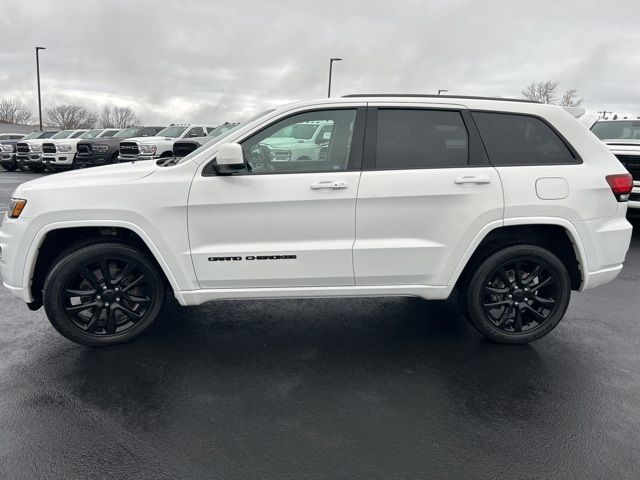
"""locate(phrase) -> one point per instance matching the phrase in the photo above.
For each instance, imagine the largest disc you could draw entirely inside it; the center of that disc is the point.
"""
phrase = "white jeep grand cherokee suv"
(507, 206)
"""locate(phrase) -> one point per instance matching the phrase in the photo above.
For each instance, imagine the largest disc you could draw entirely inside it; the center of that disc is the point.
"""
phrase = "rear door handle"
(476, 180)
(330, 185)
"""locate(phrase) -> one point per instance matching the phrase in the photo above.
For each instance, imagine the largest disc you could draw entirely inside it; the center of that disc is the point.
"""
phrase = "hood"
(98, 176)
(281, 141)
(65, 141)
(37, 141)
(150, 139)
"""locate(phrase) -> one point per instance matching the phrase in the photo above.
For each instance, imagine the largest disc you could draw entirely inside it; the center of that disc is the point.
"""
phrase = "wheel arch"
(555, 234)
(52, 239)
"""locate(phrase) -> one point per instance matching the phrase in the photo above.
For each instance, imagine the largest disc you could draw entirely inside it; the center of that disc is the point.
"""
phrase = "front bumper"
(13, 251)
(93, 159)
(8, 160)
(30, 160)
(59, 160)
(634, 199)
(136, 158)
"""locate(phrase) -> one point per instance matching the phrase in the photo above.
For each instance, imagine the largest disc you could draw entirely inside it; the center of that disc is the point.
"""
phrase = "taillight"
(621, 185)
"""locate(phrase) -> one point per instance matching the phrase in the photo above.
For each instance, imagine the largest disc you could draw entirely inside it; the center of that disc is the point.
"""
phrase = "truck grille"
(630, 162)
(23, 147)
(83, 148)
(129, 148)
(182, 149)
(48, 148)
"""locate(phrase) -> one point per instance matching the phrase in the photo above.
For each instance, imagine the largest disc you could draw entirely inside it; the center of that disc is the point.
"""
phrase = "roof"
(420, 95)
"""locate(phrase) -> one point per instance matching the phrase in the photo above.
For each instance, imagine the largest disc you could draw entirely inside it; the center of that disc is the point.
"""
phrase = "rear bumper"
(634, 199)
(606, 242)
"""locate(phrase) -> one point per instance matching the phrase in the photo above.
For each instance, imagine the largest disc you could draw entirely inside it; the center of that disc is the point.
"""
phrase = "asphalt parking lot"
(350, 388)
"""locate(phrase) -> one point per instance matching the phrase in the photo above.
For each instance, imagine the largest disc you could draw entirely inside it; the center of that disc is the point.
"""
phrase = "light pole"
(331, 60)
(442, 91)
(38, 75)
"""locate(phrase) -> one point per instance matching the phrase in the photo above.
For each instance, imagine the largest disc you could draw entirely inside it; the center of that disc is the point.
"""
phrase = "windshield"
(90, 134)
(618, 130)
(127, 133)
(108, 133)
(32, 135)
(216, 132)
(77, 134)
(62, 134)
(172, 132)
(226, 134)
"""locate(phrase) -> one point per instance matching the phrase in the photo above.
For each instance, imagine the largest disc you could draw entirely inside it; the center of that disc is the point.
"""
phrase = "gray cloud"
(212, 61)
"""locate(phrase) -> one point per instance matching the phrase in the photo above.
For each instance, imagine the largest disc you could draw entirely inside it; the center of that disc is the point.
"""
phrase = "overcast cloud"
(210, 61)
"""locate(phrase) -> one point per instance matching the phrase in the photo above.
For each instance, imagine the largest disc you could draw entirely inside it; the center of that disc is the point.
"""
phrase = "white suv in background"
(622, 136)
(160, 146)
(59, 155)
(507, 206)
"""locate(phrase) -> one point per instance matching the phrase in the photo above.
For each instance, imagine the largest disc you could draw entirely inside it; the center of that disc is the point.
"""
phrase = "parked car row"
(57, 151)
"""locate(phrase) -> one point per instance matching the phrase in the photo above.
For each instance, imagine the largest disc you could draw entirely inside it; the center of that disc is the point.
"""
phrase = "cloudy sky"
(210, 61)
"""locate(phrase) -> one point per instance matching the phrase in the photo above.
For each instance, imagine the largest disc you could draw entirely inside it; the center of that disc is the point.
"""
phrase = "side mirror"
(229, 160)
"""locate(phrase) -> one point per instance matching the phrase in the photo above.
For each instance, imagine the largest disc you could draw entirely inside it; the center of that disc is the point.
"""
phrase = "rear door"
(427, 189)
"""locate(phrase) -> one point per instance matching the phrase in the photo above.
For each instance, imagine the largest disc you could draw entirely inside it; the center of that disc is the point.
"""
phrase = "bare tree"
(13, 110)
(118, 117)
(570, 98)
(69, 117)
(544, 92)
(105, 118)
(547, 92)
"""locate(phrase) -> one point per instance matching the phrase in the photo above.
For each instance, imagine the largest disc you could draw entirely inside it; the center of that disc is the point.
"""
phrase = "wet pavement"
(321, 388)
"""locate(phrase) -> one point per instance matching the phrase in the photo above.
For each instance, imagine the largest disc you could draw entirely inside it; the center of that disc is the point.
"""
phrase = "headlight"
(6, 148)
(63, 148)
(16, 207)
(100, 148)
(148, 149)
(35, 148)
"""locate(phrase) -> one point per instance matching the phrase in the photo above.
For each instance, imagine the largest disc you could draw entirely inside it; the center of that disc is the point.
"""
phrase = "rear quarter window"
(512, 139)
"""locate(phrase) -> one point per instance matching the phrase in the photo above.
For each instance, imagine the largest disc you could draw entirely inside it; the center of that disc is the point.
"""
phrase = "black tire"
(518, 294)
(131, 302)
(38, 169)
(10, 168)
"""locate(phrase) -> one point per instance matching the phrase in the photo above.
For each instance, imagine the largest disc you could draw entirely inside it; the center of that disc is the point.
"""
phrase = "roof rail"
(464, 97)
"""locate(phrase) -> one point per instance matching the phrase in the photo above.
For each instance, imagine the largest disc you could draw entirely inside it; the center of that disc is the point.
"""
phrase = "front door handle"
(476, 180)
(330, 185)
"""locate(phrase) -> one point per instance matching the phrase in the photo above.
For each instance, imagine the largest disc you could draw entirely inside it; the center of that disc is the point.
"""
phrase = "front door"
(288, 220)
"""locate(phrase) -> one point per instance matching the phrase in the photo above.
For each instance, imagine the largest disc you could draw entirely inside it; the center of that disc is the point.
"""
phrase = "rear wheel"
(518, 294)
(103, 293)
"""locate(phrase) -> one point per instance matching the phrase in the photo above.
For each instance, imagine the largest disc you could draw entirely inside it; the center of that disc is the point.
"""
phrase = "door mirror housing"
(229, 160)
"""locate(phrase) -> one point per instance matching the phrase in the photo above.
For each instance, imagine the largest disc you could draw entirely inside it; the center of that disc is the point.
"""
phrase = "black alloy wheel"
(103, 294)
(519, 294)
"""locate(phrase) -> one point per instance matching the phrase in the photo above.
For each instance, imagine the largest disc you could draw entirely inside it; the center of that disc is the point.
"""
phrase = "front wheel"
(10, 168)
(518, 294)
(103, 293)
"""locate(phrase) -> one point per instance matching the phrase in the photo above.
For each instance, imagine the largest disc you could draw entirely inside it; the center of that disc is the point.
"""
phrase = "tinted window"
(420, 139)
(282, 147)
(618, 130)
(520, 140)
(109, 133)
(196, 132)
(150, 131)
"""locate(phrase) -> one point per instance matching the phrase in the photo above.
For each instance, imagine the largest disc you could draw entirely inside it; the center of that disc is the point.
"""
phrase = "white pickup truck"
(160, 146)
(60, 155)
